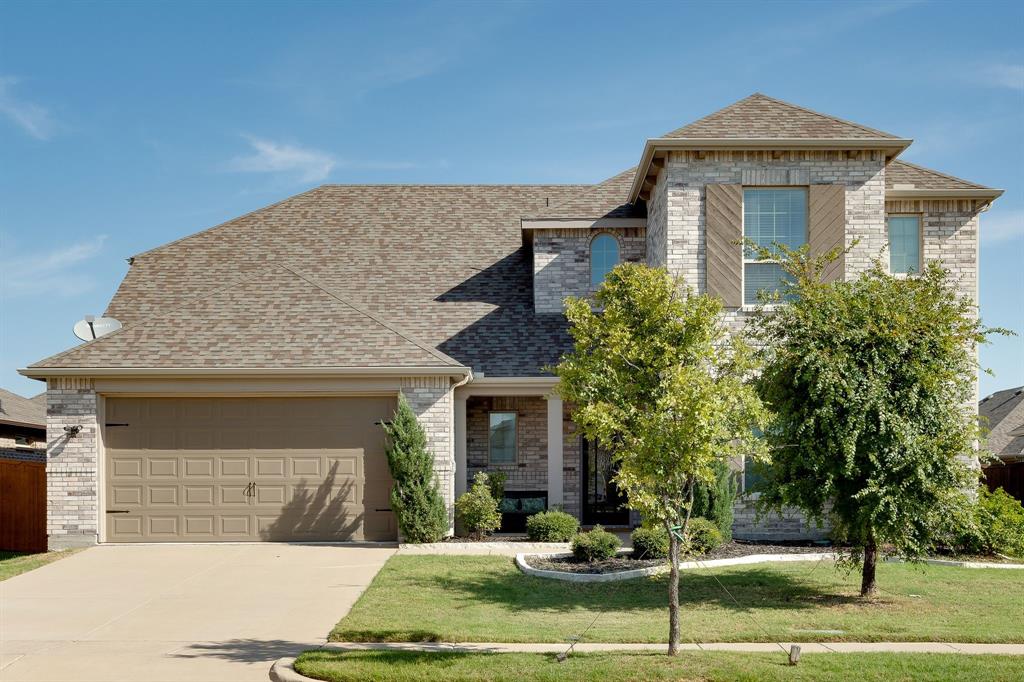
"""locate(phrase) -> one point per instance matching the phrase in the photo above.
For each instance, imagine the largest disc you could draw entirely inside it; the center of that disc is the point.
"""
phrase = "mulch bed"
(625, 562)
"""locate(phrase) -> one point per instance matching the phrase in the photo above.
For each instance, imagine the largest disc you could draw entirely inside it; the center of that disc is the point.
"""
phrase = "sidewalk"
(753, 647)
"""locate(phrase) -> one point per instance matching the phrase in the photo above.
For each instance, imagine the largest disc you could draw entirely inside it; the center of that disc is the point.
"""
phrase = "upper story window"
(604, 255)
(776, 215)
(502, 438)
(904, 244)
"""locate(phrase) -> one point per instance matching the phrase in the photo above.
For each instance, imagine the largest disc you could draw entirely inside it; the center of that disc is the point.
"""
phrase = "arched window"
(604, 255)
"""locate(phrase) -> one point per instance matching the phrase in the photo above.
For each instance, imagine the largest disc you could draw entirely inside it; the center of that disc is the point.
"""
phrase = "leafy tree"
(417, 503)
(870, 382)
(654, 377)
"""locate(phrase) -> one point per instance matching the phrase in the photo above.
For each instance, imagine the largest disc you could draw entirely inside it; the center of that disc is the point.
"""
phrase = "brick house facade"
(453, 296)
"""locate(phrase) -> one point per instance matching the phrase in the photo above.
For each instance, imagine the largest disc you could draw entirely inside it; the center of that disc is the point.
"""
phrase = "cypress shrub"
(415, 499)
(715, 501)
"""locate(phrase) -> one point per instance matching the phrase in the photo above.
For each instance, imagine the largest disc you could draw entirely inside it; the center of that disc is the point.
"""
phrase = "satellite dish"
(93, 327)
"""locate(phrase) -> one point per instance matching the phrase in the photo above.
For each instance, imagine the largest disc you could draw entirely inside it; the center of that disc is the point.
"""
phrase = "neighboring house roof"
(603, 200)
(446, 264)
(19, 411)
(276, 318)
(1003, 418)
(760, 116)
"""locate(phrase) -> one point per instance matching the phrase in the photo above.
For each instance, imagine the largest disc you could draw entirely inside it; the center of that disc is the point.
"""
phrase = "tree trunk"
(868, 587)
(673, 592)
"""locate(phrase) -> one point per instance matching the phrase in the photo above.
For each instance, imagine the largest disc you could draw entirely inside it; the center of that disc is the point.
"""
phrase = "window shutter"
(724, 226)
(826, 225)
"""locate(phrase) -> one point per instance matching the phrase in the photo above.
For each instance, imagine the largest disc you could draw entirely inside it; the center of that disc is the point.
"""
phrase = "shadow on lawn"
(761, 588)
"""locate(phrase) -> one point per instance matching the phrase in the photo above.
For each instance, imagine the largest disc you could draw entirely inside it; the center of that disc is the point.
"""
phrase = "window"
(771, 216)
(754, 474)
(502, 438)
(604, 255)
(904, 244)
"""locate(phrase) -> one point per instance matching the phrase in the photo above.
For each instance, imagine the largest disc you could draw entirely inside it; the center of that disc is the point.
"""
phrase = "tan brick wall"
(530, 472)
(72, 463)
(561, 262)
(432, 399)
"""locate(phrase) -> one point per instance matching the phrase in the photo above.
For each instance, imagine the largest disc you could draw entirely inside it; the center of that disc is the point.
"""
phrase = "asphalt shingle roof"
(19, 410)
(603, 200)
(446, 264)
(902, 173)
(1003, 419)
(760, 116)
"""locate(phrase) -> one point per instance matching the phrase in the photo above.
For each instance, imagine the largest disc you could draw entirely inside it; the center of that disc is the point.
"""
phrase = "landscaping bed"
(625, 562)
(411, 666)
(487, 599)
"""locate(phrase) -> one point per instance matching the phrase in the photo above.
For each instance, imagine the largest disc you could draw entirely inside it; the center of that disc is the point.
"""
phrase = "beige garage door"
(249, 469)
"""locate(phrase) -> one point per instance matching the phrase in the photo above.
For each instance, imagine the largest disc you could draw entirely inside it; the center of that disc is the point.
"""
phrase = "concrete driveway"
(212, 613)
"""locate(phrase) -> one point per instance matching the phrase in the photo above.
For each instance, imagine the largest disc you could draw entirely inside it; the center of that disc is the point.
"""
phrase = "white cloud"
(58, 272)
(1002, 225)
(309, 165)
(1001, 75)
(32, 118)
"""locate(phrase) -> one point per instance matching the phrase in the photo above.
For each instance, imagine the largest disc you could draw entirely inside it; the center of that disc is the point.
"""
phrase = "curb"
(521, 563)
(283, 670)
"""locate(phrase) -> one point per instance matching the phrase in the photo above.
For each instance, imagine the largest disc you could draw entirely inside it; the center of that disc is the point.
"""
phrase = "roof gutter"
(984, 194)
(660, 144)
(580, 223)
(184, 372)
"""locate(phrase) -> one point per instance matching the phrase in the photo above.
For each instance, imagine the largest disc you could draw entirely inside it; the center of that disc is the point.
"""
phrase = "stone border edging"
(961, 564)
(523, 566)
(496, 548)
(283, 670)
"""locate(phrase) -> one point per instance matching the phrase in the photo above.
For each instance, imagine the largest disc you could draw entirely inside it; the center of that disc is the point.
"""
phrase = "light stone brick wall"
(789, 526)
(561, 262)
(72, 485)
(530, 472)
(432, 400)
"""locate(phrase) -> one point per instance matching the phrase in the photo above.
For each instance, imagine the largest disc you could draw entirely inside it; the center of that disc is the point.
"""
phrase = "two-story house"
(242, 398)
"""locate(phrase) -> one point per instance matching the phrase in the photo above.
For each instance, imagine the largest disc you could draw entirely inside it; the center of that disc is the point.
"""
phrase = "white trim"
(140, 372)
(556, 475)
(581, 223)
(979, 193)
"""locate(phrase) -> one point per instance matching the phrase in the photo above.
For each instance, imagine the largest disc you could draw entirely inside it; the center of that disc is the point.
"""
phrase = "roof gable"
(277, 319)
(760, 116)
(911, 176)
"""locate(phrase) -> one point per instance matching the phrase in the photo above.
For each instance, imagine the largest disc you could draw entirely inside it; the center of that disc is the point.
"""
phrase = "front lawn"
(401, 666)
(15, 563)
(486, 599)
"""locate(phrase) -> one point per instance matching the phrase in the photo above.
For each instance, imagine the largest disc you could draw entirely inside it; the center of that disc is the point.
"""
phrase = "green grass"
(16, 563)
(401, 666)
(486, 599)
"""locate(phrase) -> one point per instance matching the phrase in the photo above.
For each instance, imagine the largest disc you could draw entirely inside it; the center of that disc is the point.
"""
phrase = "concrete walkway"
(166, 613)
(753, 647)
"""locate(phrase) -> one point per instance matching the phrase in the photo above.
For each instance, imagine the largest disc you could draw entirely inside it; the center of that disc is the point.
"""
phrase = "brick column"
(555, 475)
(431, 399)
(72, 466)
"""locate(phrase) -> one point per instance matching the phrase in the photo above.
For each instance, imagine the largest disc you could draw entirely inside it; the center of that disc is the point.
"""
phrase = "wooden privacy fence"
(1009, 477)
(22, 506)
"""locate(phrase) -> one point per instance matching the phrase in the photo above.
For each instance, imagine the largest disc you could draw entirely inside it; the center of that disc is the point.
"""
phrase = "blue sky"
(124, 126)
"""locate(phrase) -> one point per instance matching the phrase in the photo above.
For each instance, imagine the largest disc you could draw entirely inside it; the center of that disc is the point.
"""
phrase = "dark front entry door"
(602, 501)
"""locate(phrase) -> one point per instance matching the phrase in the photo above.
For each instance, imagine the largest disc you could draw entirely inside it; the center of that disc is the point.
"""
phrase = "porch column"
(460, 445)
(555, 476)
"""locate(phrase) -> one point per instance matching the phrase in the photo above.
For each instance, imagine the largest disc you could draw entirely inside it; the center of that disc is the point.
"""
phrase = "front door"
(603, 503)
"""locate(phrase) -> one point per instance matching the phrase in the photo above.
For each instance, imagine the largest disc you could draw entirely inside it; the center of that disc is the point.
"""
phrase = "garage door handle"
(119, 511)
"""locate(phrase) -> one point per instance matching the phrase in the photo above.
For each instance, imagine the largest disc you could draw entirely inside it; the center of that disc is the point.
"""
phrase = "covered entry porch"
(522, 429)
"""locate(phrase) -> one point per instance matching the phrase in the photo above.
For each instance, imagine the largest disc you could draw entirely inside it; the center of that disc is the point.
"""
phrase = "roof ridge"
(376, 318)
(452, 184)
(146, 320)
(939, 173)
(226, 222)
(762, 96)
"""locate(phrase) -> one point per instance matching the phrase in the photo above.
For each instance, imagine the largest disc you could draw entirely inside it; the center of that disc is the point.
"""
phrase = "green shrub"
(595, 545)
(650, 543)
(702, 536)
(415, 499)
(551, 526)
(496, 482)
(477, 510)
(714, 501)
(998, 525)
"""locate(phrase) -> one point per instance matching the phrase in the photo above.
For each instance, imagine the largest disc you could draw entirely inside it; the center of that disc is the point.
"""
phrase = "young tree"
(654, 377)
(869, 380)
(417, 503)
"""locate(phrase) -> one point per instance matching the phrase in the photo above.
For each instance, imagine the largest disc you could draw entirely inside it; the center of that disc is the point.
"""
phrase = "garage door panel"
(207, 469)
